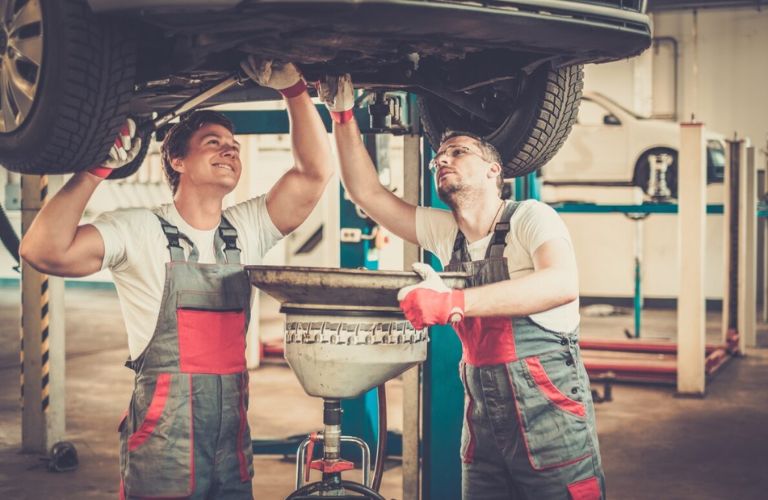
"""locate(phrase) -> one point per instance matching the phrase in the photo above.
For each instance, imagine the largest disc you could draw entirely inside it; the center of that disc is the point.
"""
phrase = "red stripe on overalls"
(191, 438)
(469, 454)
(551, 391)
(162, 388)
(525, 438)
(244, 475)
(586, 489)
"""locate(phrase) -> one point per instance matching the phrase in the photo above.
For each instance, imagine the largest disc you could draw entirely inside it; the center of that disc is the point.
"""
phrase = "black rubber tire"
(534, 129)
(82, 99)
(641, 175)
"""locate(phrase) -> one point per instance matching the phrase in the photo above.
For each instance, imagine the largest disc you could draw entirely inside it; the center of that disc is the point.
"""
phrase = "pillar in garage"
(739, 252)
(691, 237)
(747, 234)
(42, 335)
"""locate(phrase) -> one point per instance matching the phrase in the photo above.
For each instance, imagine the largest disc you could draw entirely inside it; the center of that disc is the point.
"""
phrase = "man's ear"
(494, 170)
(177, 164)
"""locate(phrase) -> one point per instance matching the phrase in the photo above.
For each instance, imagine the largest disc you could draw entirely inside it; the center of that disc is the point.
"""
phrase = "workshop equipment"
(344, 335)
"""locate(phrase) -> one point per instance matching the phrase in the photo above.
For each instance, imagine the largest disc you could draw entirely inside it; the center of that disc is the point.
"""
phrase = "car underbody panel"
(411, 44)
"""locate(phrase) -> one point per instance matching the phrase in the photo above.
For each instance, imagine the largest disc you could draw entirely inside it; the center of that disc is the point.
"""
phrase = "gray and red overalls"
(186, 434)
(529, 426)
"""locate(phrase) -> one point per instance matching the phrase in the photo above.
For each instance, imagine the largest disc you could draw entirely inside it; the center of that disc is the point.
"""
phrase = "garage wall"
(722, 67)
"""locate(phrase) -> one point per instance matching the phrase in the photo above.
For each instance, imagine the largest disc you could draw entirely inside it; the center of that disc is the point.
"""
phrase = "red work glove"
(123, 151)
(430, 302)
(338, 95)
(283, 77)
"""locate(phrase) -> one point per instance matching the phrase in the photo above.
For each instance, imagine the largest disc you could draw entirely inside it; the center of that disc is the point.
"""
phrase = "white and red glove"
(338, 95)
(430, 302)
(125, 149)
(283, 77)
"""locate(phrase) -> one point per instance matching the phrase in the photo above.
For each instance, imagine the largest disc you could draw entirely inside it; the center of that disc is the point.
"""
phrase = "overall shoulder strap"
(460, 252)
(500, 231)
(173, 235)
(228, 235)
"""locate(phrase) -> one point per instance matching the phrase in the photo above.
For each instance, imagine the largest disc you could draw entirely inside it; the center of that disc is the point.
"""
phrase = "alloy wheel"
(21, 59)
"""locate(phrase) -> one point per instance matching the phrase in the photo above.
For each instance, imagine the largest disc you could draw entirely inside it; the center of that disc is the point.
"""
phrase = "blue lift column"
(442, 391)
(360, 416)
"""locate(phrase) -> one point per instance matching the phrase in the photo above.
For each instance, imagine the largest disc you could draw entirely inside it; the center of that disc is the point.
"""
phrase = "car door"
(595, 150)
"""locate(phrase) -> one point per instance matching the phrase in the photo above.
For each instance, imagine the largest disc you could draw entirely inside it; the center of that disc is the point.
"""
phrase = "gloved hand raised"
(338, 95)
(125, 149)
(283, 77)
(430, 302)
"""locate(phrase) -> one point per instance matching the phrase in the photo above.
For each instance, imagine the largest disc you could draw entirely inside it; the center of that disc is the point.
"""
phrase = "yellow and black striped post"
(42, 337)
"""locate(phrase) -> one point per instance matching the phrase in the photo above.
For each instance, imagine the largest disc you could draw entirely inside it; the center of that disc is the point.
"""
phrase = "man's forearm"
(358, 172)
(53, 230)
(309, 139)
(537, 292)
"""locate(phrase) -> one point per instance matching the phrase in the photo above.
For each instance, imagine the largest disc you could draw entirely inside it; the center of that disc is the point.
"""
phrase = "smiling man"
(184, 294)
(529, 421)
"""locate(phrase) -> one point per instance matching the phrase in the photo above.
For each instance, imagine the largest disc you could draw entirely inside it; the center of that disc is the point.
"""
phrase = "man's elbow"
(29, 253)
(42, 261)
(569, 293)
(569, 296)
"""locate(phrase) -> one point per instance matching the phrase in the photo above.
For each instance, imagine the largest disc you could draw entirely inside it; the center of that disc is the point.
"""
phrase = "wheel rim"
(21, 58)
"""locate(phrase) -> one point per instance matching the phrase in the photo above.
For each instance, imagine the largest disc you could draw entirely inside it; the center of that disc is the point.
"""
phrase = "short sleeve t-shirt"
(135, 251)
(532, 224)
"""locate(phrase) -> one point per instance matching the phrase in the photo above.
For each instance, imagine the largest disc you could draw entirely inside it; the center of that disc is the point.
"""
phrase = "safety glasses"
(454, 152)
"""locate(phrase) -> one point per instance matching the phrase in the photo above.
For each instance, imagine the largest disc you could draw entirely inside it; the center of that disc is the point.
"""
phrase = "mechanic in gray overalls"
(183, 290)
(529, 428)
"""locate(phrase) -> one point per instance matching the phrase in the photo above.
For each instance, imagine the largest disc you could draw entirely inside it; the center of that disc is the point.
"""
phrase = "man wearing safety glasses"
(529, 426)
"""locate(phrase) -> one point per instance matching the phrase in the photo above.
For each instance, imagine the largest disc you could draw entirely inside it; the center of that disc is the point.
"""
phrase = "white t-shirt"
(135, 250)
(532, 224)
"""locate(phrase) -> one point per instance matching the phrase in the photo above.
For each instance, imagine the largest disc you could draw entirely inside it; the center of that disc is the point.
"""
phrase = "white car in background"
(610, 145)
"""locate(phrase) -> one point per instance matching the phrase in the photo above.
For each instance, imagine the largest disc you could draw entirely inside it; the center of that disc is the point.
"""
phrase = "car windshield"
(628, 111)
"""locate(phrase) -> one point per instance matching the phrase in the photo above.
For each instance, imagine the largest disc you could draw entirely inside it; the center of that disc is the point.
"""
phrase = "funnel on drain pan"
(344, 332)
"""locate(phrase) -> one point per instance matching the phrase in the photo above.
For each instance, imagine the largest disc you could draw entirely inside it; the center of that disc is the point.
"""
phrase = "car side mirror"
(611, 120)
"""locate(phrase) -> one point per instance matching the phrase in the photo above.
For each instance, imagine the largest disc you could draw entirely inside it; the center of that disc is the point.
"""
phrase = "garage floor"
(654, 445)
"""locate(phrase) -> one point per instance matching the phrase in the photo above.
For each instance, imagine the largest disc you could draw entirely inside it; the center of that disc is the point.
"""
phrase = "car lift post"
(739, 231)
(42, 335)
(691, 303)
(442, 392)
(412, 404)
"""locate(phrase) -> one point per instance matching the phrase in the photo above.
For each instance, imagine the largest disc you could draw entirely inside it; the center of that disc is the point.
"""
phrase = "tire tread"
(93, 93)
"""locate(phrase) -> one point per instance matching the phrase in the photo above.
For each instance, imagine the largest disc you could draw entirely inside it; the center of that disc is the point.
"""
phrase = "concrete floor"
(654, 445)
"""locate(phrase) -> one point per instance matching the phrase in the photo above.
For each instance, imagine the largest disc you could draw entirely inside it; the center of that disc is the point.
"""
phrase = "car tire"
(642, 171)
(81, 90)
(538, 123)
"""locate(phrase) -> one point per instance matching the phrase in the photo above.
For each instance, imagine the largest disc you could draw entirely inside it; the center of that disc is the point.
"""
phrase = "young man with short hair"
(185, 296)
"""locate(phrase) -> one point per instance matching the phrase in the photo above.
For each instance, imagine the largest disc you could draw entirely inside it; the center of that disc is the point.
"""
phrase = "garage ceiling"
(659, 5)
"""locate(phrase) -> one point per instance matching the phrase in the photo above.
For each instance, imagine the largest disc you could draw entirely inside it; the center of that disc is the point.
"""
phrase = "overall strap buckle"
(173, 235)
(228, 234)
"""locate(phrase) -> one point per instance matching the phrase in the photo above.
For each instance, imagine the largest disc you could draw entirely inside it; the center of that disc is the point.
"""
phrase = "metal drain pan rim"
(344, 289)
